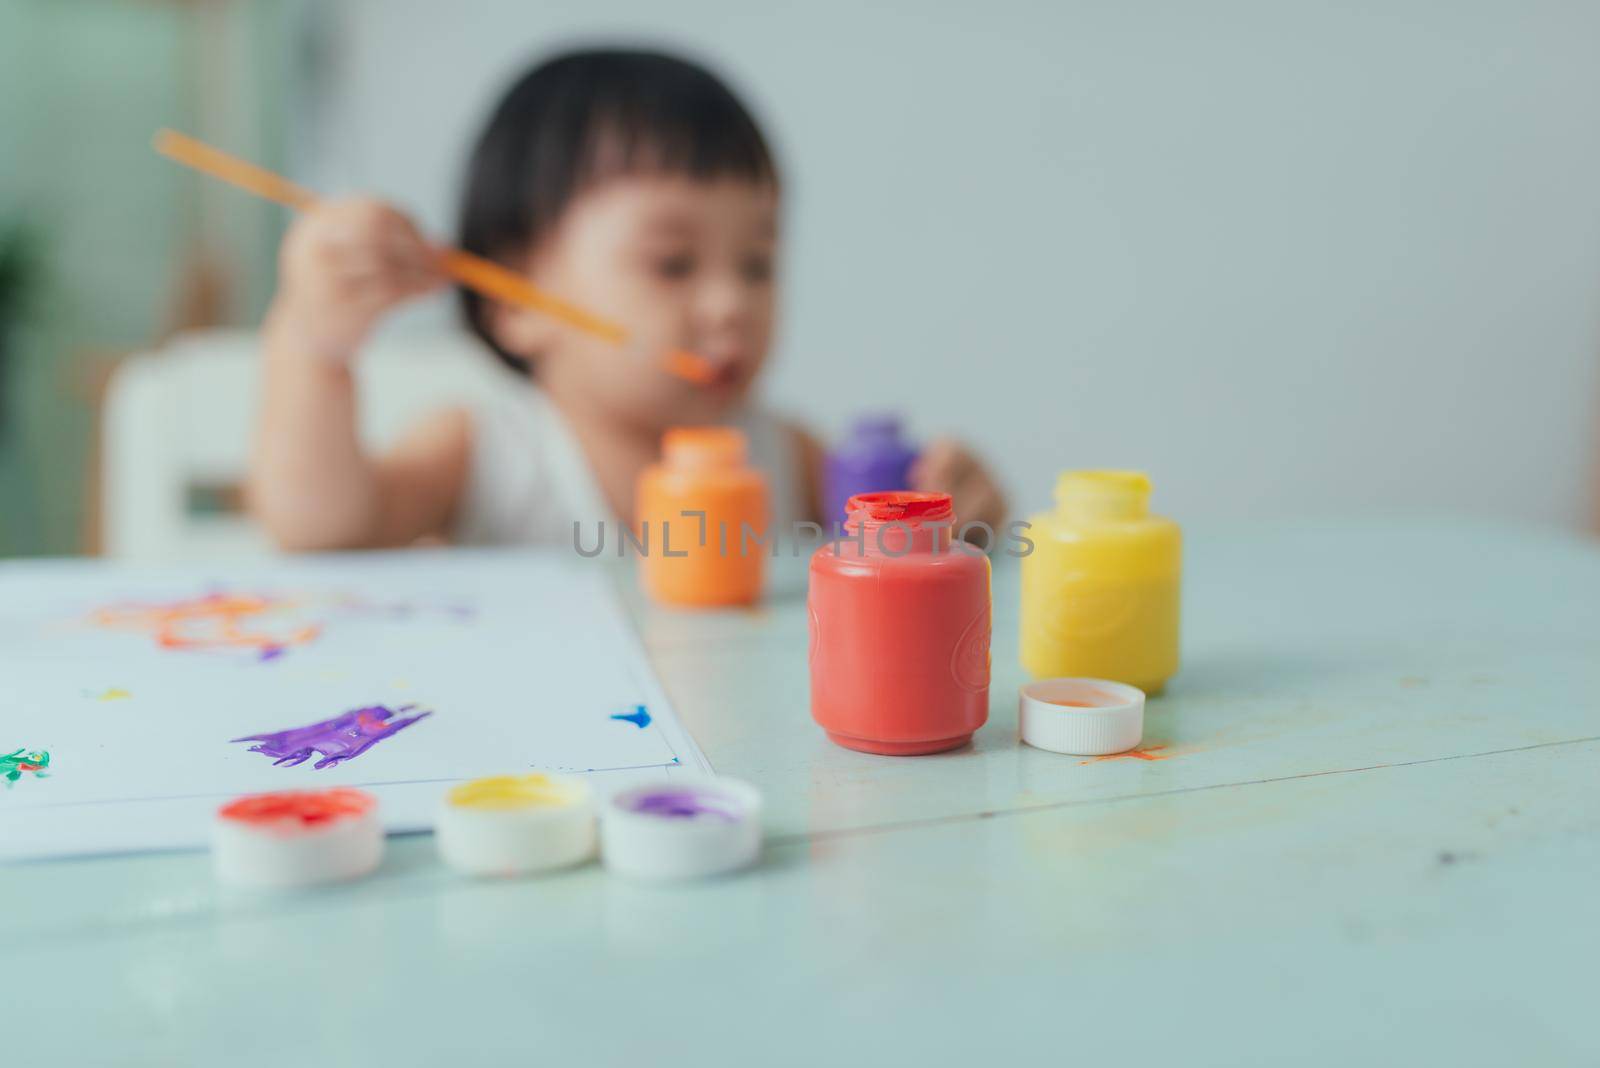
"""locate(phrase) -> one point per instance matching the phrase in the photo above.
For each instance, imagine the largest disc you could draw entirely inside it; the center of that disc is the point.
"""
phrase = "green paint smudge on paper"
(18, 761)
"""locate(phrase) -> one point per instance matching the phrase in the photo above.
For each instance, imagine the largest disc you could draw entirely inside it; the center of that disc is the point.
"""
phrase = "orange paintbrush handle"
(498, 283)
(474, 272)
(233, 170)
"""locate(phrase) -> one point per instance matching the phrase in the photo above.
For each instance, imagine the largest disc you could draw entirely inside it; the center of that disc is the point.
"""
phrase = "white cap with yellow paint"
(516, 824)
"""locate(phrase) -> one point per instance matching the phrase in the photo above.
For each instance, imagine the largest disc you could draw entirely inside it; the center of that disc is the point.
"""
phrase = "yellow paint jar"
(1100, 588)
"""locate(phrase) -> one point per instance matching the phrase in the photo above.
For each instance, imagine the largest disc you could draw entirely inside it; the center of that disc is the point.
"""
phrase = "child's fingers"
(363, 253)
(383, 274)
(365, 288)
(382, 261)
(370, 226)
(417, 283)
(384, 287)
(405, 246)
(947, 466)
(978, 501)
(352, 222)
(941, 466)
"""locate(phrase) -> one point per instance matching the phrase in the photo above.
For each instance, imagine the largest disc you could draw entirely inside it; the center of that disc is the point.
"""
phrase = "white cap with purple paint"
(683, 827)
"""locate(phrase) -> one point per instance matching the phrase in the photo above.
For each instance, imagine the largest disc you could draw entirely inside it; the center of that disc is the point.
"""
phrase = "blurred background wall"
(1292, 258)
(104, 249)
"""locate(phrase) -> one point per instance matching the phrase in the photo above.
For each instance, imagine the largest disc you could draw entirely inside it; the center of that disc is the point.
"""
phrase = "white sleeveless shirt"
(528, 480)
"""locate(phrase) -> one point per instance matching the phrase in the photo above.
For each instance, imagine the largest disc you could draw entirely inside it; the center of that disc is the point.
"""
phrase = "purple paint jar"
(874, 458)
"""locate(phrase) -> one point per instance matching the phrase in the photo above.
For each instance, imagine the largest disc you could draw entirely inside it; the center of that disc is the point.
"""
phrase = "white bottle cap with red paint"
(1081, 717)
(297, 838)
(684, 827)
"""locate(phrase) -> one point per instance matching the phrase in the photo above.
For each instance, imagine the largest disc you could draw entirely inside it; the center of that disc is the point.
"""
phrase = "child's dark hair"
(583, 117)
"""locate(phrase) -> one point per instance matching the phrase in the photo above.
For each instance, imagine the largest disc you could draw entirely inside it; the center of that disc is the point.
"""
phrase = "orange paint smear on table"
(1132, 754)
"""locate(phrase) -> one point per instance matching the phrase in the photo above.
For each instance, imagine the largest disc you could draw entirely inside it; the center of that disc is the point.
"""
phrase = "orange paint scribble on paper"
(215, 621)
(1132, 754)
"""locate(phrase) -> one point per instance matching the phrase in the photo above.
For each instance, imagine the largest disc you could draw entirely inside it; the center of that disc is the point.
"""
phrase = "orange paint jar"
(710, 560)
(900, 622)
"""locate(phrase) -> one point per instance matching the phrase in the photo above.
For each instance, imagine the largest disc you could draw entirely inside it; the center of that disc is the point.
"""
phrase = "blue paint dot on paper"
(639, 717)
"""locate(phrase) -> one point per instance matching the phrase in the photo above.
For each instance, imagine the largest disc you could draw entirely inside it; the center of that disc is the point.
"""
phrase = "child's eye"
(674, 267)
(757, 269)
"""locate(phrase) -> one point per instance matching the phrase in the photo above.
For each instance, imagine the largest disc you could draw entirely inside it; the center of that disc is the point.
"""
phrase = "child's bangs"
(701, 143)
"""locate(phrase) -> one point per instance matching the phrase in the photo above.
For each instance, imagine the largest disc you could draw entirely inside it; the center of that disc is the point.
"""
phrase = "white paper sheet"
(135, 681)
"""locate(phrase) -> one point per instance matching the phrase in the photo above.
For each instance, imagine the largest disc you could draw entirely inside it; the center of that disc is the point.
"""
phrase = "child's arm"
(342, 266)
(812, 458)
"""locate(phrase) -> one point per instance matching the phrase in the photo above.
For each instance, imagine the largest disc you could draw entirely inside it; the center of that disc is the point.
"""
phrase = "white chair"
(179, 420)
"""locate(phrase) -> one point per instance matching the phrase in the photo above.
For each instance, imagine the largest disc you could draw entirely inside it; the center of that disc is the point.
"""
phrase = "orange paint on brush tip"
(900, 622)
(690, 366)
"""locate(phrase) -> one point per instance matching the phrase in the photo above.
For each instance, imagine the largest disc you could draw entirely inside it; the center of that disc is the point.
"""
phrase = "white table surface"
(1374, 838)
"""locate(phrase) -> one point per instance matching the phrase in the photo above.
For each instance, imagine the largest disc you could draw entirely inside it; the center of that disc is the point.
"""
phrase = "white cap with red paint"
(1081, 717)
(297, 838)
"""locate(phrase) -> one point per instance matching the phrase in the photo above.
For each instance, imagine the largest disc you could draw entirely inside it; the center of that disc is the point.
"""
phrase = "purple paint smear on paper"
(338, 739)
(682, 804)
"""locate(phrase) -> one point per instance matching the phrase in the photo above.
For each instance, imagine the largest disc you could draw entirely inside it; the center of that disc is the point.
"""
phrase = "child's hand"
(947, 466)
(344, 264)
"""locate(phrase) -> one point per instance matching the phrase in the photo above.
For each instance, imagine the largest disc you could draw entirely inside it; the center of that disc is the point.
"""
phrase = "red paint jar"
(899, 629)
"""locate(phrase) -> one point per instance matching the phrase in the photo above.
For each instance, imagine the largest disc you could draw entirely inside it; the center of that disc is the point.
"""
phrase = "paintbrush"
(474, 272)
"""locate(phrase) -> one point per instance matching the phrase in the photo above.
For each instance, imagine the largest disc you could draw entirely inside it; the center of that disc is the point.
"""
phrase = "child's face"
(681, 264)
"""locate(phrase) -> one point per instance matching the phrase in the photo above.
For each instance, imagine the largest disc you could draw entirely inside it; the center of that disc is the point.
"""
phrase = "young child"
(630, 183)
